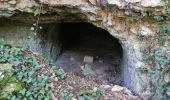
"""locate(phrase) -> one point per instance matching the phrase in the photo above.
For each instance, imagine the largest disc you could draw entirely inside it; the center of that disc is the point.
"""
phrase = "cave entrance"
(86, 50)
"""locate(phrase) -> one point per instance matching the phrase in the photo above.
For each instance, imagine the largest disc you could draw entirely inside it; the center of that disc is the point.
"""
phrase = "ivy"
(158, 18)
(26, 69)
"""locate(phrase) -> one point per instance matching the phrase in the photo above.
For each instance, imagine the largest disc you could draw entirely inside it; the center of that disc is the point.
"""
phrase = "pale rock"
(25, 5)
(105, 87)
(151, 3)
(74, 98)
(82, 67)
(51, 85)
(95, 89)
(101, 61)
(117, 88)
(55, 79)
(132, 1)
(1, 77)
(109, 20)
(168, 93)
(119, 3)
(32, 28)
(63, 2)
(88, 70)
(53, 75)
(0, 73)
(88, 59)
(51, 2)
(133, 30)
(93, 2)
(118, 31)
(145, 31)
(72, 59)
(12, 2)
(167, 77)
(127, 91)
(11, 9)
(137, 51)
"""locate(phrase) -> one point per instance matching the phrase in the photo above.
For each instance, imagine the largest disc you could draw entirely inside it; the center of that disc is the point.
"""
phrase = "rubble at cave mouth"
(85, 50)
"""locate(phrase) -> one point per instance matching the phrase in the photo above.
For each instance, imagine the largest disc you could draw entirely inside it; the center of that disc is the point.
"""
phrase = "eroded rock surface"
(130, 21)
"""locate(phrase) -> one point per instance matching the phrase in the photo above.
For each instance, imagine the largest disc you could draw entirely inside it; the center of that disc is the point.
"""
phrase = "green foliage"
(164, 33)
(158, 61)
(129, 18)
(158, 18)
(85, 94)
(26, 69)
(66, 95)
(161, 58)
(168, 9)
(59, 73)
(156, 57)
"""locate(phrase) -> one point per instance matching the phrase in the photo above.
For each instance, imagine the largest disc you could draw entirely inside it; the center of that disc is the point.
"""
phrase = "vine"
(25, 73)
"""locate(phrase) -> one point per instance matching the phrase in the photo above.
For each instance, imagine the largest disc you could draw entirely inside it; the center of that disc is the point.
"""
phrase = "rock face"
(130, 21)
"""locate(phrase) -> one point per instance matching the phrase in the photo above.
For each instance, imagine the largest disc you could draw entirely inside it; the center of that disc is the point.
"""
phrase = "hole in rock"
(84, 50)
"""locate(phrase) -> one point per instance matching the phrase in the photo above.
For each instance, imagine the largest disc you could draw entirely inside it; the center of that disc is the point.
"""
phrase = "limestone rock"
(88, 59)
(55, 79)
(87, 70)
(145, 31)
(51, 85)
(1, 76)
(151, 3)
(63, 2)
(168, 93)
(167, 77)
(72, 59)
(127, 91)
(92, 2)
(105, 87)
(119, 3)
(74, 98)
(117, 88)
(12, 2)
(133, 1)
(79, 11)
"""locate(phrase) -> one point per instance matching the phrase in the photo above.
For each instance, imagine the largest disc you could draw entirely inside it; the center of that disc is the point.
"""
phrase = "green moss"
(13, 88)
(8, 85)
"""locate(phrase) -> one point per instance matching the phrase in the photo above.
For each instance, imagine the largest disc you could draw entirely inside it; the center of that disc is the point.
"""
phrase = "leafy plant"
(25, 68)
(66, 95)
(59, 73)
(158, 18)
(129, 18)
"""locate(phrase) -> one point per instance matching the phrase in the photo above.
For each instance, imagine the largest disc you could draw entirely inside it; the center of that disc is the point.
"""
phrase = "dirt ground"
(73, 86)
(105, 66)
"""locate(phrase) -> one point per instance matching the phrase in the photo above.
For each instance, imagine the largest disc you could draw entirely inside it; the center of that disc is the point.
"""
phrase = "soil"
(75, 84)
(106, 73)
(106, 65)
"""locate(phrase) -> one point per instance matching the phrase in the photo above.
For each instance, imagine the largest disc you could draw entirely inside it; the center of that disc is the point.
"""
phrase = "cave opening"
(84, 50)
